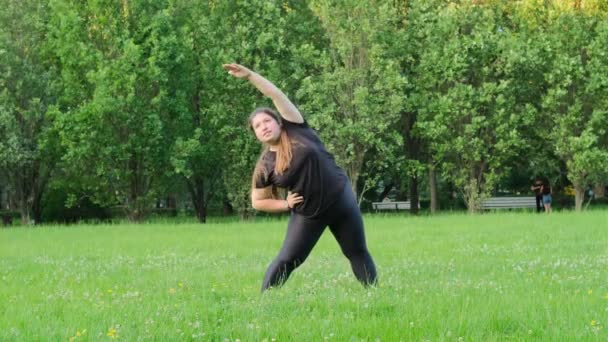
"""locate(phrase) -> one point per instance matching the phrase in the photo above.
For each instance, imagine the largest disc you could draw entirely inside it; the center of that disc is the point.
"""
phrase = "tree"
(28, 148)
(112, 121)
(467, 111)
(355, 93)
(576, 105)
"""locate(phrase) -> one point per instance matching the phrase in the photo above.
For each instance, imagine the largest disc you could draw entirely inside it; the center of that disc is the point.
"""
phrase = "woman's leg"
(347, 228)
(302, 235)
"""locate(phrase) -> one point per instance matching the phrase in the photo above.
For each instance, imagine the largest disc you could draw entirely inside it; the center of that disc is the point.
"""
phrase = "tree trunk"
(599, 190)
(387, 189)
(414, 197)
(579, 197)
(471, 193)
(24, 209)
(30, 186)
(37, 208)
(227, 208)
(139, 185)
(197, 193)
(354, 178)
(433, 189)
(172, 205)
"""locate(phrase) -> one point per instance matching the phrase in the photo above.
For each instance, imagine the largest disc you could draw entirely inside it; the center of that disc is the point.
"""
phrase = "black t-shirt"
(538, 186)
(312, 173)
(546, 189)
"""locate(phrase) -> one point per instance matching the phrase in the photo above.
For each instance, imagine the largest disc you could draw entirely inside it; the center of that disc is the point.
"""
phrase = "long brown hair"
(284, 150)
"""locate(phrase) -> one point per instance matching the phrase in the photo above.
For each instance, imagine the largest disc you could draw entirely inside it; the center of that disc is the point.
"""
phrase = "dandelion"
(112, 333)
(171, 290)
(590, 292)
(593, 322)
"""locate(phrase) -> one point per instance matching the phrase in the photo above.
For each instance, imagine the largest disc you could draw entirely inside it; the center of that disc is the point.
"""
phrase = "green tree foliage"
(114, 60)
(354, 97)
(122, 102)
(28, 146)
(576, 103)
(467, 106)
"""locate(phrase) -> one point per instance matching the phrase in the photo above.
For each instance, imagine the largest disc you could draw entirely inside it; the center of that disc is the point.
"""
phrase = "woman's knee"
(290, 260)
(356, 253)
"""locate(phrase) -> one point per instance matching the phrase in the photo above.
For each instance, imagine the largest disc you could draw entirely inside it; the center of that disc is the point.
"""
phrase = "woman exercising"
(319, 193)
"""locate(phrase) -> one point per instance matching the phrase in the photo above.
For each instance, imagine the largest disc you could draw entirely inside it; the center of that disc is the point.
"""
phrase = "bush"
(55, 210)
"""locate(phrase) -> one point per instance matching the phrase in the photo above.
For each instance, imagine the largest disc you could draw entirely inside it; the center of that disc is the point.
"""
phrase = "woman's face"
(266, 128)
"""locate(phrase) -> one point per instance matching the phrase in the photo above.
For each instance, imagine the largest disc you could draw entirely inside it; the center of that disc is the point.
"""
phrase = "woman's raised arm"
(285, 107)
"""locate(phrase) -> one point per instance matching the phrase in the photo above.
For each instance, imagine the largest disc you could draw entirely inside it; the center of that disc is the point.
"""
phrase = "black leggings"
(344, 221)
(539, 203)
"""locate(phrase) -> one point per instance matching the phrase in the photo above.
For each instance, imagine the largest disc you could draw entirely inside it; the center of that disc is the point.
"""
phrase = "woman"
(546, 191)
(319, 194)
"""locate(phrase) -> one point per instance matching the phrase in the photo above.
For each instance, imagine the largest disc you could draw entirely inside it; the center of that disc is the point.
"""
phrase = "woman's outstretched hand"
(237, 70)
(293, 198)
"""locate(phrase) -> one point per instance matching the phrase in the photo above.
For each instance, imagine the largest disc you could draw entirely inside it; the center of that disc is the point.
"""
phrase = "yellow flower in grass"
(171, 291)
(590, 292)
(112, 333)
(78, 334)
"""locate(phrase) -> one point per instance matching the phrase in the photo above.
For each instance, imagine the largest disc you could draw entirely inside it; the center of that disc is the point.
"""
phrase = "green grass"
(502, 276)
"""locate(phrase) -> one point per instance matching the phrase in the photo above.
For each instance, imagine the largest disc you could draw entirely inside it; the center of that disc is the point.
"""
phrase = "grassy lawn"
(452, 277)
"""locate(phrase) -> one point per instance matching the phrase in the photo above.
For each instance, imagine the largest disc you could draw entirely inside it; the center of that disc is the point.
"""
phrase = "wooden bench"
(391, 205)
(508, 202)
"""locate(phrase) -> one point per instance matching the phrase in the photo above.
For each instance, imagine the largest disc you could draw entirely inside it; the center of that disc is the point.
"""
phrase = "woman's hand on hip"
(293, 198)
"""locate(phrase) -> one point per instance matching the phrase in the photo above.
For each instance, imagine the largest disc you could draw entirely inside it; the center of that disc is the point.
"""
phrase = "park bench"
(508, 202)
(391, 205)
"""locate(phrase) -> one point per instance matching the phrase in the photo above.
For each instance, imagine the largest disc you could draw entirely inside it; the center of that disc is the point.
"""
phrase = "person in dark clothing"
(536, 187)
(318, 191)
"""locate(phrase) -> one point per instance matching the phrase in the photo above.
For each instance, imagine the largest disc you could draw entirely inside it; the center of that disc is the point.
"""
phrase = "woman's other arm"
(261, 199)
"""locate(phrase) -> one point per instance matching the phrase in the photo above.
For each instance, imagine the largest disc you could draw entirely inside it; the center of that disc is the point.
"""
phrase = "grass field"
(452, 277)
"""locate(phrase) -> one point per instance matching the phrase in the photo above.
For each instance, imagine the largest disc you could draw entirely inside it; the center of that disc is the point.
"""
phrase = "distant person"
(319, 192)
(546, 192)
(537, 188)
